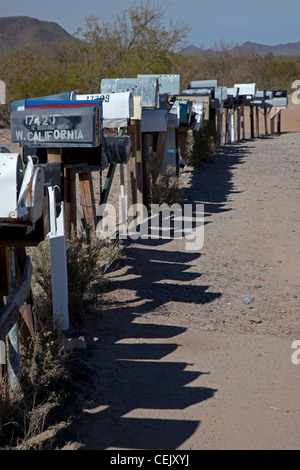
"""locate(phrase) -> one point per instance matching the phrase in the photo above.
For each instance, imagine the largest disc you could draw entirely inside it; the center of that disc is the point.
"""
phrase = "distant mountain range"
(23, 30)
(290, 49)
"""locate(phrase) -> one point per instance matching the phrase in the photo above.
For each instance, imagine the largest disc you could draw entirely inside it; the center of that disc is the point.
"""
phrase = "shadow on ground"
(138, 386)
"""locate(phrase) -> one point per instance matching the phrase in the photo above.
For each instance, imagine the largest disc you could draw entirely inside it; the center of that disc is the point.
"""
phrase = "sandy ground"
(180, 361)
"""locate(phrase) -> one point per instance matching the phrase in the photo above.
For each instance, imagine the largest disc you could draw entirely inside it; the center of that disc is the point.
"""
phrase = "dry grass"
(49, 376)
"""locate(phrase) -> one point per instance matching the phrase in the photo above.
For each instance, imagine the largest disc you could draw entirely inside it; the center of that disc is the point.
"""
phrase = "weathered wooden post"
(279, 122)
(88, 201)
(257, 121)
(266, 119)
(13, 335)
(251, 122)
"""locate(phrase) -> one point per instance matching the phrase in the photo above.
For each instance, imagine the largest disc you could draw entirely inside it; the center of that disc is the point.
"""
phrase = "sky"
(232, 22)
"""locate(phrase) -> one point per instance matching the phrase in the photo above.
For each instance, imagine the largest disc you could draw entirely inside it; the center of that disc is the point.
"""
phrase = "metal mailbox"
(209, 84)
(118, 149)
(24, 210)
(117, 108)
(154, 120)
(282, 101)
(174, 115)
(220, 97)
(147, 88)
(186, 108)
(22, 193)
(20, 105)
(55, 126)
(168, 85)
(246, 89)
(280, 93)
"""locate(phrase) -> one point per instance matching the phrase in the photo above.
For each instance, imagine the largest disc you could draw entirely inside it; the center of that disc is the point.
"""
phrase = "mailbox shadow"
(212, 183)
(138, 387)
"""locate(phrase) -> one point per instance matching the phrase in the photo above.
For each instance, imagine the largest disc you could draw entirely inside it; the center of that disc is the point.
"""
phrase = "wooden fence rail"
(9, 314)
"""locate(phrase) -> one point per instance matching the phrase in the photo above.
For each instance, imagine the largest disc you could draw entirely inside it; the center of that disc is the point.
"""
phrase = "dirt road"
(180, 361)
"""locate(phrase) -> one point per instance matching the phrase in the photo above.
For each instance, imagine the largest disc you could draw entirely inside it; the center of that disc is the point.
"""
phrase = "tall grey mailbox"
(168, 85)
(146, 87)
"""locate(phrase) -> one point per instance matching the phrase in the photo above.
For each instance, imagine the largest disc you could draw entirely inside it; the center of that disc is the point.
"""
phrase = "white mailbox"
(117, 108)
(246, 89)
(21, 192)
(232, 92)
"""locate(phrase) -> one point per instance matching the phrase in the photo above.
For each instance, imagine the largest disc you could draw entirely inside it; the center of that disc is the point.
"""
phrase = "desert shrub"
(201, 146)
(163, 188)
(88, 258)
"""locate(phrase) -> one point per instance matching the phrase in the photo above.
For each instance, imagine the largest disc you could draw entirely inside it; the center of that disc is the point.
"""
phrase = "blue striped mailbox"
(57, 124)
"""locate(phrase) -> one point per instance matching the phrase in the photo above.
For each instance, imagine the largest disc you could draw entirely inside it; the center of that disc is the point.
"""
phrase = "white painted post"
(2, 92)
(122, 204)
(59, 275)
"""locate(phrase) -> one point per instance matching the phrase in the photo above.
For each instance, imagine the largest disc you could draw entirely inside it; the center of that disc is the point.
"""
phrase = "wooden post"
(132, 170)
(54, 155)
(88, 200)
(279, 122)
(220, 125)
(243, 120)
(272, 125)
(5, 282)
(238, 124)
(26, 323)
(251, 122)
(266, 120)
(160, 148)
(226, 125)
(257, 121)
(5, 286)
(139, 164)
(144, 166)
(182, 135)
(70, 201)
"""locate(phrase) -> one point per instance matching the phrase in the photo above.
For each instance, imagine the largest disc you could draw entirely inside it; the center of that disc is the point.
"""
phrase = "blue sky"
(231, 21)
